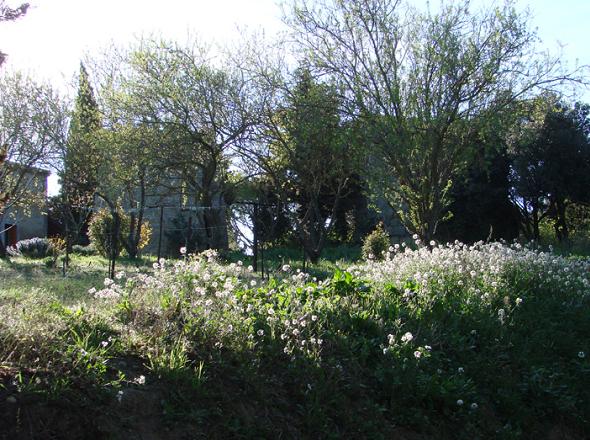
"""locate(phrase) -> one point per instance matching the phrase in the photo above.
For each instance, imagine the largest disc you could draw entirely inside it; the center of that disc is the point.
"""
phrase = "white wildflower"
(407, 337)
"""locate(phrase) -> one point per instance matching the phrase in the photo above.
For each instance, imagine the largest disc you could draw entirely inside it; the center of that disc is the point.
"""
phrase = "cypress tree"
(79, 177)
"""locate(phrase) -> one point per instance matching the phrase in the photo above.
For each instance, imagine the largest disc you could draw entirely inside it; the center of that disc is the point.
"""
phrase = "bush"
(145, 235)
(101, 225)
(376, 244)
(89, 250)
(99, 232)
(31, 248)
(58, 247)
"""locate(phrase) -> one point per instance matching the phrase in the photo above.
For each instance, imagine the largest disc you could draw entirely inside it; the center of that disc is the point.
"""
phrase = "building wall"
(179, 210)
(175, 223)
(391, 221)
(30, 222)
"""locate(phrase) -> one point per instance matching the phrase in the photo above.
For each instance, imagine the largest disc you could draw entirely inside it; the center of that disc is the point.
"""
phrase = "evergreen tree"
(480, 206)
(550, 166)
(312, 158)
(81, 157)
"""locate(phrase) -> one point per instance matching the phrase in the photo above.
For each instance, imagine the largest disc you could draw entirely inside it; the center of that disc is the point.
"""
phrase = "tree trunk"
(131, 242)
(561, 229)
(535, 216)
(114, 241)
(134, 237)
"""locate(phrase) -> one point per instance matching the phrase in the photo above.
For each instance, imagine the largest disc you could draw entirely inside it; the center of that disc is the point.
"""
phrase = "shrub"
(31, 248)
(376, 244)
(145, 235)
(100, 229)
(58, 247)
(84, 250)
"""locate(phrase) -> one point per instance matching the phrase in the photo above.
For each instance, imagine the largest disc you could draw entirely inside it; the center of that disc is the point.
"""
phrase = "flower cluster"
(484, 270)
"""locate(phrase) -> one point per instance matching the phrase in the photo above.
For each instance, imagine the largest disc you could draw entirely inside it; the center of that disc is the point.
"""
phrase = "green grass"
(22, 274)
(489, 342)
(333, 258)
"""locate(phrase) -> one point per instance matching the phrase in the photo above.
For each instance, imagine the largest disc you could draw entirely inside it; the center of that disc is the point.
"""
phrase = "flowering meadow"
(440, 341)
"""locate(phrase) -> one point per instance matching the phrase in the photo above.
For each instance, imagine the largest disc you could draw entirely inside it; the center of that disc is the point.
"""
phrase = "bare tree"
(32, 124)
(202, 111)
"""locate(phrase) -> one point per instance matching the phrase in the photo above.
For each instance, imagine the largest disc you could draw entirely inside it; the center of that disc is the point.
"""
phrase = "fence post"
(255, 238)
(160, 233)
(303, 256)
(189, 232)
(262, 258)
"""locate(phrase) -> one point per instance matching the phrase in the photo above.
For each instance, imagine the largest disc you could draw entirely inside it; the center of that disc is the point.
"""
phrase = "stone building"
(177, 218)
(26, 220)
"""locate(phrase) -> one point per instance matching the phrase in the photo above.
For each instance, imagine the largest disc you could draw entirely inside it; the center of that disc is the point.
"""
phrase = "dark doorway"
(10, 234)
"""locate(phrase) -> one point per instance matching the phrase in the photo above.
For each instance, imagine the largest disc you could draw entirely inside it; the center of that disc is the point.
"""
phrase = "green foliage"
(312, 157)
(36, 248)
(424, 85)
(481, 207)
(102, 236)
(173, 364)
(58, 248)
(200, 110)
(179, 235)
(101, 228)
(449, 342)
(376, 244)
(551, 138)
(33, 118)
(82, 154)
(84, 250)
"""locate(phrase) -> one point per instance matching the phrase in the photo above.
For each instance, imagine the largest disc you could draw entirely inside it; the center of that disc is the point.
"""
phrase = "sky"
(54, 36)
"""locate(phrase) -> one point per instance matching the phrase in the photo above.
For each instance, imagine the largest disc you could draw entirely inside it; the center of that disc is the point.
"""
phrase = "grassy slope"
(524, 376)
